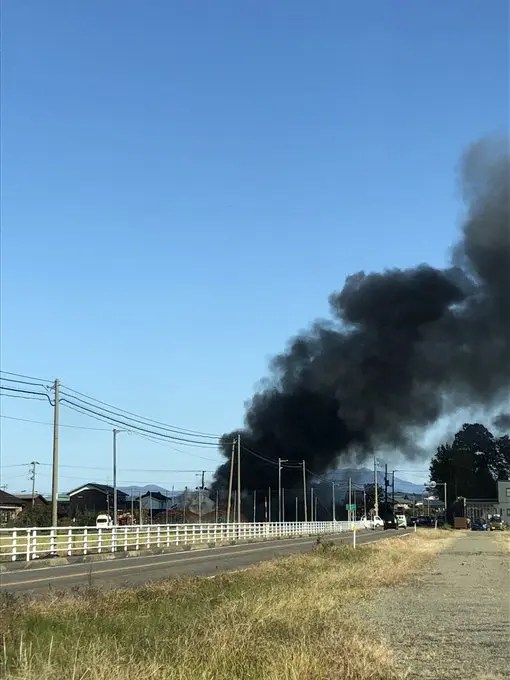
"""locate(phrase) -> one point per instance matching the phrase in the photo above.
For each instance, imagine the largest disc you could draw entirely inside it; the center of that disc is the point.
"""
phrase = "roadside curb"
(57, 561)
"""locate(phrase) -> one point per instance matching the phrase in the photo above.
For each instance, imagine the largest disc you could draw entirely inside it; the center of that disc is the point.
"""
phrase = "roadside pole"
(349, 514)
(376, 503)
(239, 479)
(304, 492)
(333, 514)
(229, 501)
(54, 476)
(32, 477)
(115, 477)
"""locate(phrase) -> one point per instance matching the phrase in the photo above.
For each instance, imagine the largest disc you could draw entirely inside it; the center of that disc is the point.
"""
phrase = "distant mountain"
(362, 476)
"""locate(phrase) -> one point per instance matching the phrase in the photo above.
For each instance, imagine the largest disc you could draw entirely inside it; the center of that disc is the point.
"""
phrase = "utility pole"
(269, 503)
(311, 502)
(231, 480)
(304, 492)
(150, 505)
(316, 506)
(376, 503)
(115, 477)
(283, 505)
(254, 505)
(349, 514)
(32, 478)
(54, 478)
(140, 507)
(217, 507)
(279, 489)
(280, 462)
(296, 508)
(393, 490)
(364, 502)
(200, 505)
(132, 507)
(239, 479)
(333, 501)
(386, 483)
(184, 500)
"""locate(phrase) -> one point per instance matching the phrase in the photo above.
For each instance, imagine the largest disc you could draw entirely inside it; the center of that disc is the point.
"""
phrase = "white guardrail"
(37, 542)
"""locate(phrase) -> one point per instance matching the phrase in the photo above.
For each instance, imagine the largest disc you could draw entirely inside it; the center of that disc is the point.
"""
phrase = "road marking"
(114, 570)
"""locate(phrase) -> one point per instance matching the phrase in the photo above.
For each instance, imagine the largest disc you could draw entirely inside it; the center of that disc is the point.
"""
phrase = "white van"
(402, 521)
(372, 523)
(104, 522)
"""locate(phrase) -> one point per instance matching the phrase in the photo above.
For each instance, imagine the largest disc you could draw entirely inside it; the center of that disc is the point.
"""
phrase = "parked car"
(372, 523)
(423, 521)
(104, 521)
(390, 522)
(496, 522)
(402, 521)
(479, 524)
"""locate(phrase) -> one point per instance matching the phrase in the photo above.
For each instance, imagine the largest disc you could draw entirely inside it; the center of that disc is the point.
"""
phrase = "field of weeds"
(293, 618)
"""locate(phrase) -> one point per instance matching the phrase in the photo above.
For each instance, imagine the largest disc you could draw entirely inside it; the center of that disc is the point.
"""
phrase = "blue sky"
(185, 183)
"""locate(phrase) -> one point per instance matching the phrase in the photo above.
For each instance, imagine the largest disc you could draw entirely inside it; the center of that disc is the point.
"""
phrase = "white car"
(402, 521)
(104, 522)
(372, 523)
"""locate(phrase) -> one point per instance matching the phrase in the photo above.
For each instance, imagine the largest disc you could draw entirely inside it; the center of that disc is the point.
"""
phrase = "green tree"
(471, 464)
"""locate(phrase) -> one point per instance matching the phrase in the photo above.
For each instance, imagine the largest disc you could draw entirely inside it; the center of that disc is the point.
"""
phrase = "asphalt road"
(136, 571)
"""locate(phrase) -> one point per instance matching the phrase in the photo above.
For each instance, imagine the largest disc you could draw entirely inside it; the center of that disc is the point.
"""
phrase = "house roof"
(104, 488)
(28, 497)
(9, 499)
(156, 495)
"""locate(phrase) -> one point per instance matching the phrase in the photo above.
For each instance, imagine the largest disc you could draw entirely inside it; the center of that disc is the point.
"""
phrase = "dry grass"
(293, 618)
(504, 539)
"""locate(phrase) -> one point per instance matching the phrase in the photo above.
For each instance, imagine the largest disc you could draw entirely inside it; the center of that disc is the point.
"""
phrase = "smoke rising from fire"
(402, 348)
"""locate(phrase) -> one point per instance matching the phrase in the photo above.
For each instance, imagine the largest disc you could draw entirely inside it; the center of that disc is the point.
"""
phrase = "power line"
(46, 422)
(23, 382)
(147, 470)
(24, 392)
(258, 455)
(136, 417)
(27, 377)
(130, 426)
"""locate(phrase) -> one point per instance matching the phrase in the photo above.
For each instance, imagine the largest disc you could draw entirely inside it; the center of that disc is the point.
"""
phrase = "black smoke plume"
(403, 347)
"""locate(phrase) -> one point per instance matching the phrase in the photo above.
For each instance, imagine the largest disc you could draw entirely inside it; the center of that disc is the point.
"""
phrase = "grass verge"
(293, 618)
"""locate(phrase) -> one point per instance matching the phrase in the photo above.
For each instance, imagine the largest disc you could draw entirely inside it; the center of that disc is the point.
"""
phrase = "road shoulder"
(453, 620)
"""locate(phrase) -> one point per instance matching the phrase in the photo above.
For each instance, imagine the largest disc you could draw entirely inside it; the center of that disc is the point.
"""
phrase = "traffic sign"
(352, 506)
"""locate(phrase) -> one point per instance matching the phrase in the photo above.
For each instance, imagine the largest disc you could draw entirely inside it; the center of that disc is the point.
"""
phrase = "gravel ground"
(453, 621)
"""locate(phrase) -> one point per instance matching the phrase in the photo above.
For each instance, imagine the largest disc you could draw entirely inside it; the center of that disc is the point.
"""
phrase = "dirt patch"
(453, 621)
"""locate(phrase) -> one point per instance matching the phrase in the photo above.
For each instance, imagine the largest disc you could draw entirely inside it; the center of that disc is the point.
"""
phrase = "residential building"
(95, 499)
(10, 507)
(504, 499)
(39, 500)
(481, 507)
